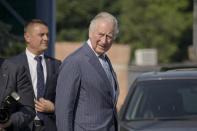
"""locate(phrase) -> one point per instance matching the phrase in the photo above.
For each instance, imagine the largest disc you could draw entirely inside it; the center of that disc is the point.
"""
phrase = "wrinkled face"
(37, 38)
(102, 37)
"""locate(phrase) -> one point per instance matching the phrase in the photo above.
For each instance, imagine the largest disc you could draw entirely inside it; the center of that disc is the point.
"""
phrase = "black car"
(162, 101)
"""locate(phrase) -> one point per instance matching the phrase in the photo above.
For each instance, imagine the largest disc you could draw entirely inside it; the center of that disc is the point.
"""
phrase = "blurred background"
(152, 32)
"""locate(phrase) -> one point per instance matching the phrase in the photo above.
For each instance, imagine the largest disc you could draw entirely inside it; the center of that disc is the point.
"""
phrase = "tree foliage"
(155, 24)
(73, 17)
(10, 45)
(162, 24)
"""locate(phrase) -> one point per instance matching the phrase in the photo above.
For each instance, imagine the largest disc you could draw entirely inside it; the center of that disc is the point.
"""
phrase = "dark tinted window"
(163, 99)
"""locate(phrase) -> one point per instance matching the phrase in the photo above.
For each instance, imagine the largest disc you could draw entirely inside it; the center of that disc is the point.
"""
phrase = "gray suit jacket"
(50, 87)
(84, 101)
(13, 78)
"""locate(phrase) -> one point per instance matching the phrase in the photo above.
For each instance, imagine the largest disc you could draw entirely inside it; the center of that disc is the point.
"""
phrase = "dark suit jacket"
(84, 101)
(50, 87)
(13, 78)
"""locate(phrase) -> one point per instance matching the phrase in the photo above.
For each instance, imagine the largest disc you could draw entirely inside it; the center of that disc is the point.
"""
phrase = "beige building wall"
(118, 54)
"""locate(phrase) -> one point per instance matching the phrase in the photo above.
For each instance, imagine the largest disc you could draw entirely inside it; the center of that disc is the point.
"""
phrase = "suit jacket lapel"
(49, 73)
(98, 67)
(3, 79)
(94, 61)
(24, 61)
(113, 73)
(115, 80)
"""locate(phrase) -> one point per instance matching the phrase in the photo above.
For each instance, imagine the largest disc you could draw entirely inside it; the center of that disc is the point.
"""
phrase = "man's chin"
(44, 49)
(100, 52)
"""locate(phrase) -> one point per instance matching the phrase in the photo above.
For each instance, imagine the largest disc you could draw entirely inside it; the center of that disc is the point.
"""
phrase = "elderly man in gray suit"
(87, 88)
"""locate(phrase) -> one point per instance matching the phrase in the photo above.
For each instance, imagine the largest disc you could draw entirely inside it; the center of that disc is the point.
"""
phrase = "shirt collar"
(31, 55)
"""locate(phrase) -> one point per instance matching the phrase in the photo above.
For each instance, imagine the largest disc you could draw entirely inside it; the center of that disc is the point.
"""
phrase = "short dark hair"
(34, 21)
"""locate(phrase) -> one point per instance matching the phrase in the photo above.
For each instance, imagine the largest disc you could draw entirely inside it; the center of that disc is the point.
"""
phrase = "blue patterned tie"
(106, 67)
(40, 82)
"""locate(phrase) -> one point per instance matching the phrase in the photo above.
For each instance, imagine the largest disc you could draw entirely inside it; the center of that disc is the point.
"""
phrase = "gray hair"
(105, 15)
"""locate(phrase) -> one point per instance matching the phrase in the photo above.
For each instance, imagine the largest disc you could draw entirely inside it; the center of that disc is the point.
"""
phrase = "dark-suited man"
(42, 71)
(87, 88)
(13, 78)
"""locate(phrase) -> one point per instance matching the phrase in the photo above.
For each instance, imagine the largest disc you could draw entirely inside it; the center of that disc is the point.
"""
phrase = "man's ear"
(90, 33)
(27, 37)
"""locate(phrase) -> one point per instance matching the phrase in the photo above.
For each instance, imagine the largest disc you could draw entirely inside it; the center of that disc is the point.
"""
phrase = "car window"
(163, 99)
(189, 99)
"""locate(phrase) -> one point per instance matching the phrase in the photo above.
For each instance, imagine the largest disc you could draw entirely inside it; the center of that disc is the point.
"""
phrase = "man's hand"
(44, 105)
(5, 125)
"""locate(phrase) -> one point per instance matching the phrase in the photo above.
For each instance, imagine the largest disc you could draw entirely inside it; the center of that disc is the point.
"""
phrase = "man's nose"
(104, 38)
(45, 37)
